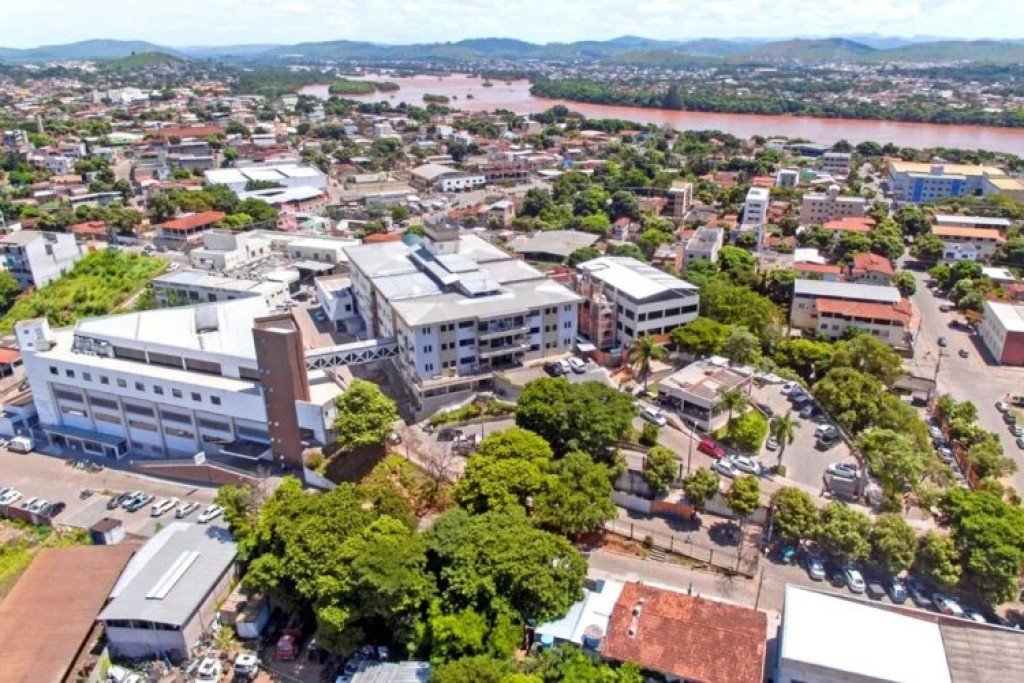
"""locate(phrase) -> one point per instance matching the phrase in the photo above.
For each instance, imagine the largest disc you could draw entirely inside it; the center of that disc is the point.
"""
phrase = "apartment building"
(680, 198)
(836, 163)
(829, 308)
(196, 286)
(223, 378)
(1002, 332)
(444, 178)
(625, 299)
(459, 310)
(968, 244)
(870, 269)
(787, 178)
(817, 208)
(37, 258)
(918, 183)
(755, 208)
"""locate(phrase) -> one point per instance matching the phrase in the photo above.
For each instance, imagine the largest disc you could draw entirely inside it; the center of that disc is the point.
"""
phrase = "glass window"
(176, 393)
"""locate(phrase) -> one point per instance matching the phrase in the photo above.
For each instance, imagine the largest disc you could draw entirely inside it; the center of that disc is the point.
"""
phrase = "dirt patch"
(353, 465)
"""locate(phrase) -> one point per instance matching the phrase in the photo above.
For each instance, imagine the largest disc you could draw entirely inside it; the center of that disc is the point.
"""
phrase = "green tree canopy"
(794, 514)
(744, 496)
(701, 485)
(895, 460)
(844, 532)
(893, 544)
(869, 355)
(937, 560)
(741, 346)
(365, 415)
(808, 358)
(701, 336)
(577, 496)
(586, 416)
(582, 255)
(661, 467)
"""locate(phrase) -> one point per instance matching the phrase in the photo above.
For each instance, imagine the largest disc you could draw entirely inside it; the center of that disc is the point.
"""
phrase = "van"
(20, 444)
(710, 447)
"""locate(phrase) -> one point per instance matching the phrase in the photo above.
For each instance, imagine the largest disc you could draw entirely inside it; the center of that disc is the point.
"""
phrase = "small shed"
(107, 531)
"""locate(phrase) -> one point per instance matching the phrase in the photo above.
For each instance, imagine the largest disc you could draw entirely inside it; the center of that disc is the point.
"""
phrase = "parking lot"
(47, 477)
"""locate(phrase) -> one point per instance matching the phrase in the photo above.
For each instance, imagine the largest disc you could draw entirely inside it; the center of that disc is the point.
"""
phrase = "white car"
(209, 670)
(30, 502)
(727, 468)
(38, 505)
(211, 512)
(854, 580)
(11, 497)
(745, 464)
(578, 366)
(186, 509)
(654, 415)
(788, 388)
(845, 470)
(163, 506)
(772, 443)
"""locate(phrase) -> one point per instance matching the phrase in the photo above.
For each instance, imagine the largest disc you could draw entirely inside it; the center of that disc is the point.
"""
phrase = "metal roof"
(554, 242)
(846, 290)
(392, 672)
(171, 575)
(635, 278)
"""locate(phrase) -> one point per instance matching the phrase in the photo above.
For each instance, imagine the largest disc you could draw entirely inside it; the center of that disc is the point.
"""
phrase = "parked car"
(1016, 430)
(186, 509)
(712, 448)
(563, 366)
(947, 605)
(943, 342)
(38, 505)
(835, 574)
(934, 432)
(29, 502)
(874, 588)
(824, 429)
(211, 512)
(772, 443)
(209, 670)
(974, 615)
(131, 497)
(745, 464)
(1002, 407)
(117, 500)
(553, 369)
(815, 567)
(20, 444)
(917, 591)
(854, 579)
(789, 387)
(10, 497)
(827, 440)
(808, 411)
(1020, 442)
(766, 409)
(1009, 418)
(655, 416)
(844, 470)
(577, 366)
(139, 502)
(799, 400)
(163, 506)
(896, 590)
(945, 454)
(53, 509)
(727, 468)
(963, 353)
(246, 666)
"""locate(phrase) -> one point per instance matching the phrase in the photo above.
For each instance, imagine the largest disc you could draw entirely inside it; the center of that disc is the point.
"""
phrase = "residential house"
(187, 230)
(968, 244)
(38, 258)
(704, 245)
(829, 308)
(816, 209)
(870, 269)
(695, 391)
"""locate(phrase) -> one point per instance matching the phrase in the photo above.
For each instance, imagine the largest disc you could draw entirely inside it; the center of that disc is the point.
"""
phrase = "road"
(975, 378)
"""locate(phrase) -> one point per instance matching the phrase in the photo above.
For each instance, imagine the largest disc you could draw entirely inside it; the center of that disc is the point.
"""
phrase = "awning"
(246, 449)
(85, 435)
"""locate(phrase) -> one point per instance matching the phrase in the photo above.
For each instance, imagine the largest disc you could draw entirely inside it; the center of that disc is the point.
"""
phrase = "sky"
(30, 23)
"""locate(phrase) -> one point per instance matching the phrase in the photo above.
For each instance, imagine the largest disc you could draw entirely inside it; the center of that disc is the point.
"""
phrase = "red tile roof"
(766, 181)
(8, 356)
(95, 228)
(850, 224)
(861, 309)
(871, 263)
(688, 637)
(968, 233)
(822, 268)
(382, 237)
(186, 132)
(196, 220)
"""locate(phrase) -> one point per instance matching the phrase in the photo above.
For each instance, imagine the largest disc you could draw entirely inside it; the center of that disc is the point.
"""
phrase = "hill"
(996, 51)
(826, 50)
(144, 60)
(86, 49)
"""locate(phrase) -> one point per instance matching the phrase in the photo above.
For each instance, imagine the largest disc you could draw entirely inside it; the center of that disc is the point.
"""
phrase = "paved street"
(974, 378)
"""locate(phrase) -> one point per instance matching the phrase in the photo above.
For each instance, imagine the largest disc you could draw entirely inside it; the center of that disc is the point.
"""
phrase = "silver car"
(727, 468)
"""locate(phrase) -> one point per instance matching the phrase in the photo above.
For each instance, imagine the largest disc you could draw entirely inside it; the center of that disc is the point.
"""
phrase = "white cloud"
(194, 22)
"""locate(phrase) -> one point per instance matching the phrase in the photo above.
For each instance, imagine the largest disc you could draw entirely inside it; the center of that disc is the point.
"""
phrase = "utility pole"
(689, 454)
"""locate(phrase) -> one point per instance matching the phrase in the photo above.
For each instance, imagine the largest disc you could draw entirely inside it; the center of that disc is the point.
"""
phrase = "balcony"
(487, 352)
(513, 327)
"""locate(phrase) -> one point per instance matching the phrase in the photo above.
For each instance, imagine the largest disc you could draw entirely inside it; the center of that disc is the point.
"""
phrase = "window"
(53, 370)
(215, 400)
(197, 397)
(428, 348)
(69, 373)
(466, 342)
(87, 376)
(567, 324)
(567, 308)
(158, 390)
(122, 384)
(176, 393)
(465, 324)
(429, 367)
(104, 379)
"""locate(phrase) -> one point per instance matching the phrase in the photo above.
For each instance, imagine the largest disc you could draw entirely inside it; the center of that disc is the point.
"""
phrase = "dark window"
(138, 410)
(197, 397)
(103, 402)
(249, 373)
(215, 400)
(122, 384)
(69, 373)
(157, 389)
(176, 393)
(53, 370)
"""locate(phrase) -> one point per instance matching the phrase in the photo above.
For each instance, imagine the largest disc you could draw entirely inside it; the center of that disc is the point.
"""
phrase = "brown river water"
(515, 96)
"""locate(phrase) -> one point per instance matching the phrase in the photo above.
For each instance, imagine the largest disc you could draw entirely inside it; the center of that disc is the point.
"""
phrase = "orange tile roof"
(8, 356)
(850, 224)
(196, 220)
(968, 233)
(382, 237)
(186, 132)
(763, 181)
(863, 309)
(688, 637)
(98, 228)
(818, 268)
(871, 263)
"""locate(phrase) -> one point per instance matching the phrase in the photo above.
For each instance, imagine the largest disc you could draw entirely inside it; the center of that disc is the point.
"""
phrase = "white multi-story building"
(704, 245)
(626, 299)
(37, 258)
(222, 378)
(755, 208)
(836, 163)
(815, 209)
(444, 178)
(459, 309)
(197, 286)
(284, 175)
(787, 178)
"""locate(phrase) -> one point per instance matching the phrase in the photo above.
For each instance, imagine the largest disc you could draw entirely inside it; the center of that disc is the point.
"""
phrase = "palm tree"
(784, 430)
(644, 350)
(732, 400)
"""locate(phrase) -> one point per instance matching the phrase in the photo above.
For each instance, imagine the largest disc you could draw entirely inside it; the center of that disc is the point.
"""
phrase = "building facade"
(38, 258)
(829, 308)
(917, 183)
(1002, 332)
(816, 209)
(968, 244)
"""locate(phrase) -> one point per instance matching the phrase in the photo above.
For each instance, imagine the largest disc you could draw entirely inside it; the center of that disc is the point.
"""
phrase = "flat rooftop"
(635, 278)
(706, 380)
(1010, 316)
(846, 290)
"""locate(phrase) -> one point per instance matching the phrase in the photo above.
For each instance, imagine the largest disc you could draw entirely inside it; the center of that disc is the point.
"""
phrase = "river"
(515, 96)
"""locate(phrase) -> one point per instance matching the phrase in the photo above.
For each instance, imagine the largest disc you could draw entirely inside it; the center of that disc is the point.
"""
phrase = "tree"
(479, 669)
(641, 353)
(624, 205)
(736, 262)
(912, 220)
(852, 397)
(937, 560)
(844, 532)
(748, 431)
(577, 497)
(587, 416)
(700, 486)
(701, 336)
(808, 358)
(732, 304)
(582, 255)
(928, 248)
(9, 289)
(904, 281)
(365, 415)
(649, 240)
(894, 459)
(731, 400)
(869, 355)
(509, 468)
(744, 496)
(794, 514)
(498, 560)
(161, 207)
(783, 428)
(893, 544)
(741, 346)
(661, 467)
(987, 459)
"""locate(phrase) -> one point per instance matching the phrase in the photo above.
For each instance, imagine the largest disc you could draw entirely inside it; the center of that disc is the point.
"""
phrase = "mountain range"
(628, 49)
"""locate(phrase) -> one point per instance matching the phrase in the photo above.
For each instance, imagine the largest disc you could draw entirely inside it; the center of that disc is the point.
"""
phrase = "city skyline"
(234, 22)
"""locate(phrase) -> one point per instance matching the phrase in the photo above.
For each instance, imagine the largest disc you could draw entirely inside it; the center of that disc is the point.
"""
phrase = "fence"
(742, 561)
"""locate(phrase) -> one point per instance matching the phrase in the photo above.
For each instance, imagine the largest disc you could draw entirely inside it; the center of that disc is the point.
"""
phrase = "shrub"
(747, 431)
(649, 435)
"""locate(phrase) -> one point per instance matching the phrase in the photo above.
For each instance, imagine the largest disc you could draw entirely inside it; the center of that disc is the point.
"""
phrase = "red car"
(711, 448)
